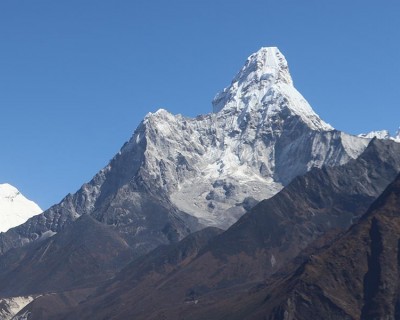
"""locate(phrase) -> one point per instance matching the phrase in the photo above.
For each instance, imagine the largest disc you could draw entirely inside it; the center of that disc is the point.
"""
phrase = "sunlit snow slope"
(15, 209)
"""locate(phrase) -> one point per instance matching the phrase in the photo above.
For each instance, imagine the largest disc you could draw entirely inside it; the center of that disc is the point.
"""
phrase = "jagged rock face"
(177, 174)
(262, 134)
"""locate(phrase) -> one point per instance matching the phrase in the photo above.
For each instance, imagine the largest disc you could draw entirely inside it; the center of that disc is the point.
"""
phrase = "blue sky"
(77, 76)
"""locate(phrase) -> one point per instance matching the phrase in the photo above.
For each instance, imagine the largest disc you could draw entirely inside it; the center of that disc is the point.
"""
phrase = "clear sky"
(77, 76)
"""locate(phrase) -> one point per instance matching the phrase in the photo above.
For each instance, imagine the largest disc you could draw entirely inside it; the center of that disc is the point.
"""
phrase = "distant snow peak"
(381, 134)
(15, 209)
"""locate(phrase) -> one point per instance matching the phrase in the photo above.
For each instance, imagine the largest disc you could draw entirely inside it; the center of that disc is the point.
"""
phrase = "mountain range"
(215, 217)
(177, 175)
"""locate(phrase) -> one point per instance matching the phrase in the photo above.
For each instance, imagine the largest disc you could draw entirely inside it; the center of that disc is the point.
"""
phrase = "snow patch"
(47, 234)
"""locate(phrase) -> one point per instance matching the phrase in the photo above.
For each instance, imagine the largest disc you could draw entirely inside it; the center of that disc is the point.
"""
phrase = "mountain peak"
(267, 64)
(264, 87)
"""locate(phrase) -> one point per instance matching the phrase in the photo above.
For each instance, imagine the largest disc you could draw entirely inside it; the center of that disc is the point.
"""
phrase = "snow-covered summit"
(264, 86)
(15, 209)
(267, 64)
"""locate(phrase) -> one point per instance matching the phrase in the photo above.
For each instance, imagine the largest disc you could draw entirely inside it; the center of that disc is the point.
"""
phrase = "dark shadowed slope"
(82, 255)
(357, 277)
(142, 274)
